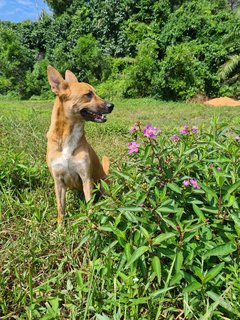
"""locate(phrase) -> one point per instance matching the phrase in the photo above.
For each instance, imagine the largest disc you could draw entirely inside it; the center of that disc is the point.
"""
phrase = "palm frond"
(230, 67)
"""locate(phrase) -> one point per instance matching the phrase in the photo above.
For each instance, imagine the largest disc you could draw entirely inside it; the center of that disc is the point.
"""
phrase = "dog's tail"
(105, 165)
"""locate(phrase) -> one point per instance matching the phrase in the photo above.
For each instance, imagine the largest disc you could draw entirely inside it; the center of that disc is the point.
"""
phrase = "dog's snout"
(109, 106)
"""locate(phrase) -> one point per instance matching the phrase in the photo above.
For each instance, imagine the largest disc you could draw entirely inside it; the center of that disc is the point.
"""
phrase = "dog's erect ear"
(58, 84)
(70, 77)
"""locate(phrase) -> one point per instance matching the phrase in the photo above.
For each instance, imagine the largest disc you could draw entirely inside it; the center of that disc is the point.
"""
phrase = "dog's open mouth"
(93, 116)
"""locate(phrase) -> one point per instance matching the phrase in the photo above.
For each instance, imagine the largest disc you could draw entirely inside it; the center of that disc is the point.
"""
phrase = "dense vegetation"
(162, 244)
(167, 49)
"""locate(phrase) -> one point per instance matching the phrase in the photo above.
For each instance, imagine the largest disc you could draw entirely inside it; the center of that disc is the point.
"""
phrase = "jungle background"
(168, 49)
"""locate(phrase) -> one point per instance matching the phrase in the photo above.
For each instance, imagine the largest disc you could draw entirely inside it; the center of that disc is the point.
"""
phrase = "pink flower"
(219, 168)
(175, 138)
(237, 138)
(151, 132)
(178, 227)
(187, 130)
(184, 130)
(186, 183)
(194, 129)
(133, 129)
(133, 147)
(194, 183)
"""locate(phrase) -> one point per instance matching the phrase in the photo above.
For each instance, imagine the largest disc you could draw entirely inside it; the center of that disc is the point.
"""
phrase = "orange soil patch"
(224, 101)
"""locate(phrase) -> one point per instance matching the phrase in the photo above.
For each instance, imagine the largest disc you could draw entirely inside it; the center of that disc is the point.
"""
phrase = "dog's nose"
(109, 106)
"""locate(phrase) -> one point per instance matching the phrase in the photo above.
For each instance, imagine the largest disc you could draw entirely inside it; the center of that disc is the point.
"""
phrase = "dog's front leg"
(60, 191)
(87, 190)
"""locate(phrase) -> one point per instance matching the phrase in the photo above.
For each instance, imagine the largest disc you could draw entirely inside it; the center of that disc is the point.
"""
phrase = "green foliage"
(89, 62)
(152, 248)
(14, 61)
(182, 73)
(141, 73)
(86, 36)
(170, 226)
(36, 81)
(230, 70)
(59, 6)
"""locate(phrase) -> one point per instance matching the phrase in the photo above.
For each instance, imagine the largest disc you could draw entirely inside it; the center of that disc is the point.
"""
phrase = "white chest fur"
(71, 143)
(67, 166)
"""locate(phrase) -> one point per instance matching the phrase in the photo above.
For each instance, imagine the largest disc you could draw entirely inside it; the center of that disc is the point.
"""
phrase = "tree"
(230, 70)
(89, 62)
(14, 62)
(59, 6)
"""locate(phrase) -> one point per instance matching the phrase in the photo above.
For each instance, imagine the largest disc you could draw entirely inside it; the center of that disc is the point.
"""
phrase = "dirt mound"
(223, 101)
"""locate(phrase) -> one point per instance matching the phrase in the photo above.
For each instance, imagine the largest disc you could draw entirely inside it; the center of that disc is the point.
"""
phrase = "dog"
(70, 158)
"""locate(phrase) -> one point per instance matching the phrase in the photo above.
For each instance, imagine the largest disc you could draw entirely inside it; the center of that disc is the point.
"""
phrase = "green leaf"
(145, 233)
(130, 209)
(138, 301)
(198, 212)
(108, 248)
(156, 264)
(178, 261)
(174, 187)
(219, 299)
(221, 250)
(198, 272)
(176, 278)
(162, 237)
(123, 276)
(105, 186)
(101, 317)
(234, 187)
(127, 251)
(193, 286)
(213, 272)
(209, 192)
(236, 223)
(166, 210)
(130, 216)
(147, 152)
(158, 293)
(138, 253)
(123, 175)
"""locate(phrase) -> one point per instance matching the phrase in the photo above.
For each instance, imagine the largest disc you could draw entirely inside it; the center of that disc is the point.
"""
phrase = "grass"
(46, 272)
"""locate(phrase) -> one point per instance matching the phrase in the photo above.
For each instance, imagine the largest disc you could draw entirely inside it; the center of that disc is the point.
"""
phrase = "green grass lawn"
(29, 121)
(41, 266)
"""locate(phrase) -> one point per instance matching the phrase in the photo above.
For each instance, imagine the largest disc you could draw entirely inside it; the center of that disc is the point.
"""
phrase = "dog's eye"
(89, 94)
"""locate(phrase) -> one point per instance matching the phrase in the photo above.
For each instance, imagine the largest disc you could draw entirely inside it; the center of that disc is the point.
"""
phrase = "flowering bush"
(171, 224)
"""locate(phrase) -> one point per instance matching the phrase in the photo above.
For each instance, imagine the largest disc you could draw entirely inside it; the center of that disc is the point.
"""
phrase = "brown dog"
(71, 160)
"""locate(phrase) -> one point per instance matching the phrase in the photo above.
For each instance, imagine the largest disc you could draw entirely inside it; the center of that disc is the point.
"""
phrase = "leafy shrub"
(36, 80)
(118, 83)
(112, 89)
(169, 227)
(143, 69)
(183, 74)
(89, 62)
(14, 62)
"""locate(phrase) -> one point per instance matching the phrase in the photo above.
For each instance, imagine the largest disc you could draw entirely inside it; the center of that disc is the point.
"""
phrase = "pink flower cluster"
(175, 138)
(188, 130)
(133, 147)
(192, 182)
(151, 132)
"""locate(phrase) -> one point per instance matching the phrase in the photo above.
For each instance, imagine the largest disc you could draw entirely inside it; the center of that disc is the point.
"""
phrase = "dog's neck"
(64, 130)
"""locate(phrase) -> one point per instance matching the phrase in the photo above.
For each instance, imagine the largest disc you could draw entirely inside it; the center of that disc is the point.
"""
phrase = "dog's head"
(79, 99)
